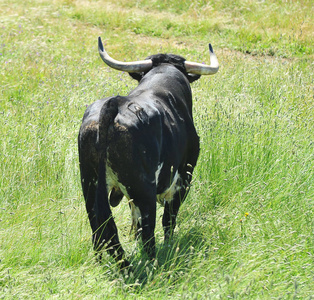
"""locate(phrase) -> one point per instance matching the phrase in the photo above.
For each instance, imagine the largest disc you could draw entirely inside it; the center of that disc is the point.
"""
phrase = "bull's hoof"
(124, 266)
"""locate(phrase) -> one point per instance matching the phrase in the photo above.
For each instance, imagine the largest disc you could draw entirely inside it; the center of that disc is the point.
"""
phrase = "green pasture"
(246, 230)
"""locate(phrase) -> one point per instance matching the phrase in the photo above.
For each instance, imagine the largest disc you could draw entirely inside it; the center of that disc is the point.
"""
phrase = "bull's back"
(133, 142)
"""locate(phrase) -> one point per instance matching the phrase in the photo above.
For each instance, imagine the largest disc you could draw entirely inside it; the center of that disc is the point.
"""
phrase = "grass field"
(246, 230)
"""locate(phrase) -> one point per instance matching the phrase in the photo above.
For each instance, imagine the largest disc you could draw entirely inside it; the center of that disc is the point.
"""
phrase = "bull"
(143, 146)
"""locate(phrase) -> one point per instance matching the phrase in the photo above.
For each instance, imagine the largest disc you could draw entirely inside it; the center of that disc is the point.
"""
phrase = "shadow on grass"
(173, 258)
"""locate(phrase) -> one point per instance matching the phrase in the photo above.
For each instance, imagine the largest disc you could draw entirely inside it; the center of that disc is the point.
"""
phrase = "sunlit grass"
(246, 230)
(258, 27)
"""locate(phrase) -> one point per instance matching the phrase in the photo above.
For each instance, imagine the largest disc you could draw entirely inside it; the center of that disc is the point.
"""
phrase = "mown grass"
(246, 230)
(258, 27)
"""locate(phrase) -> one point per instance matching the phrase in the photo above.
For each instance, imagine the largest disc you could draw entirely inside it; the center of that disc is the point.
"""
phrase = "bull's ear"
(193, 77)
(137, 76)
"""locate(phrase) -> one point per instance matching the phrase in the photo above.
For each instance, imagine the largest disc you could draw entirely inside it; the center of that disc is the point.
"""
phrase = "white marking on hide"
(136, 215)
(157, 173)
(112, 181)
(168, 194)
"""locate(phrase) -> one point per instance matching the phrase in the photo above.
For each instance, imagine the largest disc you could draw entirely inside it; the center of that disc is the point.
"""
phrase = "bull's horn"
(130, 67)
(201, 69)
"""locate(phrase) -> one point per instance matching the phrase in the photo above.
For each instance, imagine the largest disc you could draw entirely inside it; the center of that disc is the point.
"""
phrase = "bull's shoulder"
(137, 111)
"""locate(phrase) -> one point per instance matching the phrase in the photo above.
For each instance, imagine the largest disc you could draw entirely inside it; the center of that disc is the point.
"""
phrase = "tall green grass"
(246, 230)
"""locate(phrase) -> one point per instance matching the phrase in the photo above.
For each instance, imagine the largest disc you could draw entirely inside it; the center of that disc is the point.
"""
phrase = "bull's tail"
(106, 233)
(102, 208)
(107, 114)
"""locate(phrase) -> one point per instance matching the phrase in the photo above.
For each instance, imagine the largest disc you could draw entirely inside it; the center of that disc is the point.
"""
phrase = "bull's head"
(143, 66)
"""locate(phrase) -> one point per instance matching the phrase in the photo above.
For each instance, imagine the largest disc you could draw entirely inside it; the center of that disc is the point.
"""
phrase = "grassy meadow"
(246, 230)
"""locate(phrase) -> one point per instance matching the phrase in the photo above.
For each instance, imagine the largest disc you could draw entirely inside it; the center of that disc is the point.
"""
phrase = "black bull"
(143, 146)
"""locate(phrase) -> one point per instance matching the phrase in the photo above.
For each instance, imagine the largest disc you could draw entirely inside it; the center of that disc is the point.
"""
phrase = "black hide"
(143, 146)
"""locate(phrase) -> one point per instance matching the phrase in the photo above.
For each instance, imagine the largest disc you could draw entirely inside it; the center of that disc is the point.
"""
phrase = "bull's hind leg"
(148, 211)
(89, 183)
(107, 233)
(145, 203)
(88, 180)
